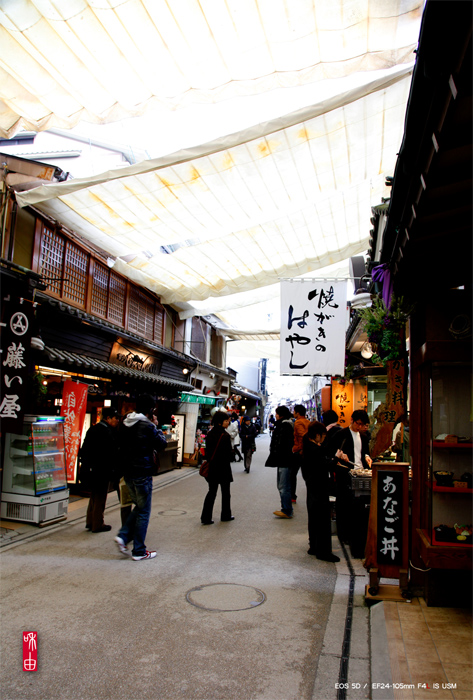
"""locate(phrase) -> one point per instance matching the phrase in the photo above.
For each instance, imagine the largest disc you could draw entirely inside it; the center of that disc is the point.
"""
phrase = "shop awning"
(90, 364)
(66, 61)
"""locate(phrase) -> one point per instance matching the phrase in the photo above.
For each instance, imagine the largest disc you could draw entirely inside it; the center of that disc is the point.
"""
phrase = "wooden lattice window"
(52, 260)
(116, 301)
(141, 314)
(159, 324)
(75, 273)
(198, 338)
(100, 290)
(179, 334)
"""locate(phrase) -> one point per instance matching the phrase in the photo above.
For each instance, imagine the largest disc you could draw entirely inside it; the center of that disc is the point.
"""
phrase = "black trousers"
(209, 501)
(295, 466)
(96, 507)
(319, 521)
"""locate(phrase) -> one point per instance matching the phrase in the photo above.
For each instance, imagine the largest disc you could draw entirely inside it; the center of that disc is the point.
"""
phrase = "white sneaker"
(122, 546)
(148, 555)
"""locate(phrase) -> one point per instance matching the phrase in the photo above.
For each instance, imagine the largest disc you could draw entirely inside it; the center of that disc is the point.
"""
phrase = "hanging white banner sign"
(313, 327)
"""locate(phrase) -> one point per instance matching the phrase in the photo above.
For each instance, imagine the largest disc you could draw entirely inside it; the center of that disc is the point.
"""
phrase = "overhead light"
(185, 371)
(107, 403)
(367, 351)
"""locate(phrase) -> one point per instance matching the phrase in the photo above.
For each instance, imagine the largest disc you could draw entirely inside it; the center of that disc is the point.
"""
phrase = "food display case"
(445, 535)
(450, 477)
(34, 485)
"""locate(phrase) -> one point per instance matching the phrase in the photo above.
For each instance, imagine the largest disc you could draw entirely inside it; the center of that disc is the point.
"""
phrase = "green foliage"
(385, 328)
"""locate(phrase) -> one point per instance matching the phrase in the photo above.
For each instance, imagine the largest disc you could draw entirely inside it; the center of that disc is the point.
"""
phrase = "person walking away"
(301, 425)
(280, 456)
(139, 439)
(348, 445)
(315, 469)
(248, 434)
(234, 431)
(271, 423)
(98, 455)
(218, 451)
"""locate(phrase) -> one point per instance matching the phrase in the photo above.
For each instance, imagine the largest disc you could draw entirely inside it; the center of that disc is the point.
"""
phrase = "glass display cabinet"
(445, 532)
(34, 487)
(450, 464)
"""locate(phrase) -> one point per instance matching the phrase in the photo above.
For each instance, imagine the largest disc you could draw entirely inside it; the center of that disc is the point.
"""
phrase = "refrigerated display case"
(34, 485)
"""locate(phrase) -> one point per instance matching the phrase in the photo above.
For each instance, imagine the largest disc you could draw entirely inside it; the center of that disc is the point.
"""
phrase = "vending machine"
(34, 488)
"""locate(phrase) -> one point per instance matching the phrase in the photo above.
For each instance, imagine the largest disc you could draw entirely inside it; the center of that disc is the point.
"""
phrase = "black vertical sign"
(16, 327)
(389, 517)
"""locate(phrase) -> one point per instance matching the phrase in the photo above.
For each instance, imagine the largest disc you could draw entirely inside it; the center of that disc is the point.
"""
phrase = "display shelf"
(442, 543)
(443, 556)
(441, 445)
(449, 489)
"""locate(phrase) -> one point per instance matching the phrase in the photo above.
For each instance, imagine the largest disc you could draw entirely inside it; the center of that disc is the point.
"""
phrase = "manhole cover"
(225, 597)
(172, 512)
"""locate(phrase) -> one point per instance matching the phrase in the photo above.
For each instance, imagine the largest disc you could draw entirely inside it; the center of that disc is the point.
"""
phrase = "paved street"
(235, 610)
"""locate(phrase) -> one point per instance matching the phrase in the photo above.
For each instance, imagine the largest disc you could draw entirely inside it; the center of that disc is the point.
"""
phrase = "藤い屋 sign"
(17, 317)
(313, 325)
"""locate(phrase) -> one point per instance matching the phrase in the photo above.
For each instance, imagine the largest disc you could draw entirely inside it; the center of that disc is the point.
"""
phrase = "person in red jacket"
(301, 426)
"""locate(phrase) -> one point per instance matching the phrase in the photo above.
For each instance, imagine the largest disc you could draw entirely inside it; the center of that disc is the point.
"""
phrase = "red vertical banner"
(74, 406)
(30, 651)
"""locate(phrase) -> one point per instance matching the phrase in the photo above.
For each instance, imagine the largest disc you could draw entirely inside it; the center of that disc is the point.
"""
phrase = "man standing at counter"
(351, 445)
(138, 440)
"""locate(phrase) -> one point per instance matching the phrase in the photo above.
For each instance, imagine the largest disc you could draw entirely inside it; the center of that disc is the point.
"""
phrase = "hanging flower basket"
(385, 328)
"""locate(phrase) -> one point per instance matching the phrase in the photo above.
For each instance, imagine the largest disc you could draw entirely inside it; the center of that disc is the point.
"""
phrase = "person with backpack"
(139, 439)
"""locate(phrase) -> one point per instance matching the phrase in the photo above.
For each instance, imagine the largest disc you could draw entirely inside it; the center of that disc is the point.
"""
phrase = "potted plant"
(385, 328)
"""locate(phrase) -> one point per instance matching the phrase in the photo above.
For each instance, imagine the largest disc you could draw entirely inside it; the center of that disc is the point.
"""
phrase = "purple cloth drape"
(382, 274)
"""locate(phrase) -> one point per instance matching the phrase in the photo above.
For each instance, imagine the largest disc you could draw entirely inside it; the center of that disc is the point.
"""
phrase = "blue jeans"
(284, 487)
(136, 525)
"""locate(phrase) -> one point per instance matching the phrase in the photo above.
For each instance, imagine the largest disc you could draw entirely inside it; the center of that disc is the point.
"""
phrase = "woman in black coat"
(316, 472)
(218, 449)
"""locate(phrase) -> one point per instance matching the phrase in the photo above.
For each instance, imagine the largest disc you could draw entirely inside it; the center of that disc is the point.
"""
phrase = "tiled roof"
(89, 363)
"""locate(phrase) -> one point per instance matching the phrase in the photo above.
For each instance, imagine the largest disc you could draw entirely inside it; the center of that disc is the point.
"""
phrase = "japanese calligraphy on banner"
(393, 410)
(17, 316)
(390, 517)
(342, 402)
(74, 406)
(313, 325)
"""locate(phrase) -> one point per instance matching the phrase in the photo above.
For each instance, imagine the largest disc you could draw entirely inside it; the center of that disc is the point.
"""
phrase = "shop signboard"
(134, 358)
(342, 401)
(313, 326)
(197, 398)
(180, 420)
(74, 406)
(389, 517)
(16, 325)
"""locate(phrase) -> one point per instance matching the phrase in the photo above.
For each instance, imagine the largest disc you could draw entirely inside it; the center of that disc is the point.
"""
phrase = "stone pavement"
(235, 610)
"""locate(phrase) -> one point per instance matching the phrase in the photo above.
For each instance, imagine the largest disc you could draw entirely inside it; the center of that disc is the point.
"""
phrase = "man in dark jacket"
(138, 440)
(248, 434)
(280, 456)
(98, 456)
(350, 444)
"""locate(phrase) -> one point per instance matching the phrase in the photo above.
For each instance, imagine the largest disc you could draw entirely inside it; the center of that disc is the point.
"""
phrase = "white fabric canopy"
(281, 199)
(66, 61)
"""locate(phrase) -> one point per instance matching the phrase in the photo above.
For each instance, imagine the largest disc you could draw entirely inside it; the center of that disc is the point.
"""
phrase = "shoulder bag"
(205, 466)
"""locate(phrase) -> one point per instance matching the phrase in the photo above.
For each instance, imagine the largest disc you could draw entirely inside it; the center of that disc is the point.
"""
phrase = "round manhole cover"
(225, 597)
(172, 512)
